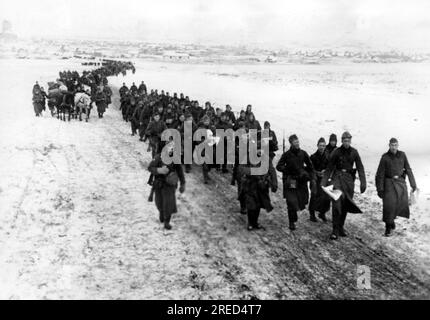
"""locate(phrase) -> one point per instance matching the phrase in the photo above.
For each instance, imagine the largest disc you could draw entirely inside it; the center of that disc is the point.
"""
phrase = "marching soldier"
(100, 102)
(188, 136)
(45, 96)
(208, 111)
(142, 89)
(248, 111)
(108, 93)
(206, 167)
(241, 120)
(273, 147)
(320, 201)
(125, 101)
(133, 88)
(36, 87)
(131, 106)
(153, 132)
(332, 143)
(230, 115)
(391, 185)
(169, 117)
(196, 111)
(297, 171)
(166, 180)
(239, 169)
(252, 123)
(145, 117)
(38, 101)
(255, 195)
(136, 117)
(342, 174)
(224, 124)
(123, 90)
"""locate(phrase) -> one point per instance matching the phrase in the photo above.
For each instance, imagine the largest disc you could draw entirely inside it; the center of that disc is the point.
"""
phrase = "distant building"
(271, 59)
(22, 54)
(97, 54)
(7, 34)
(176, 55)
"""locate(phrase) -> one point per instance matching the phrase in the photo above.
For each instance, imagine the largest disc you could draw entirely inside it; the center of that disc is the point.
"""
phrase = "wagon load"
(56, 89)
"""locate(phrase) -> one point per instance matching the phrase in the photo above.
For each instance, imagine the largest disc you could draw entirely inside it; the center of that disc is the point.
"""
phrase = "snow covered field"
(74, 221)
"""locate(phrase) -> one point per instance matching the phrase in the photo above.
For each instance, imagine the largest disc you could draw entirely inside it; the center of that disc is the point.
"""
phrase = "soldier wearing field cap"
(297, 172)
(341, 173)
(167, 178)
(391, 185)
(320, 201)
(332, 143)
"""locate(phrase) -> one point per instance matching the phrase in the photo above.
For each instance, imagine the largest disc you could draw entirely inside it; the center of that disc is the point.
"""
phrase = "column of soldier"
(304, 177)
(73, 94)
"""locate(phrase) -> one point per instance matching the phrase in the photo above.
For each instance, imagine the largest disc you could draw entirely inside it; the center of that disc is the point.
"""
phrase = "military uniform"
(273, 147)
(133, 89)
(135, 119)
(254, 194)
(142, 89)
(342, 173)
(252, 124)
(153, 132)
(165, 192)
(130, 107)
(331, 147)
(206, 167)
(320, 201)
(188, 137)
(122, 91)
(297, 171)
(391, 186)
(38, 102)
(101, 103)
(145, 117)
(224, 125)
(108, 93)
(230, 116)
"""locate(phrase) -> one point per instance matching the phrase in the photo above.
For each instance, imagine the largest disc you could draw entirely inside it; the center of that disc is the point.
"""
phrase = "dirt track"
(79, 226)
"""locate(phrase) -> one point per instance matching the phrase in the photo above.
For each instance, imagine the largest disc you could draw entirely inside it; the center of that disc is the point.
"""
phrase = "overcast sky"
(377, 23)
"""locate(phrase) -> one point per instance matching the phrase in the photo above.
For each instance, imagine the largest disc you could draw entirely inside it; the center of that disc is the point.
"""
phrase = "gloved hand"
(414, 189)
(182, 188)
(362, 188)
(381, 194)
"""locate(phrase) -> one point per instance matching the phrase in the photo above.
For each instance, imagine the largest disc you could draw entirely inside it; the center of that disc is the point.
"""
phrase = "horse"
(56, 94)
(83, 105)
(67, 105)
